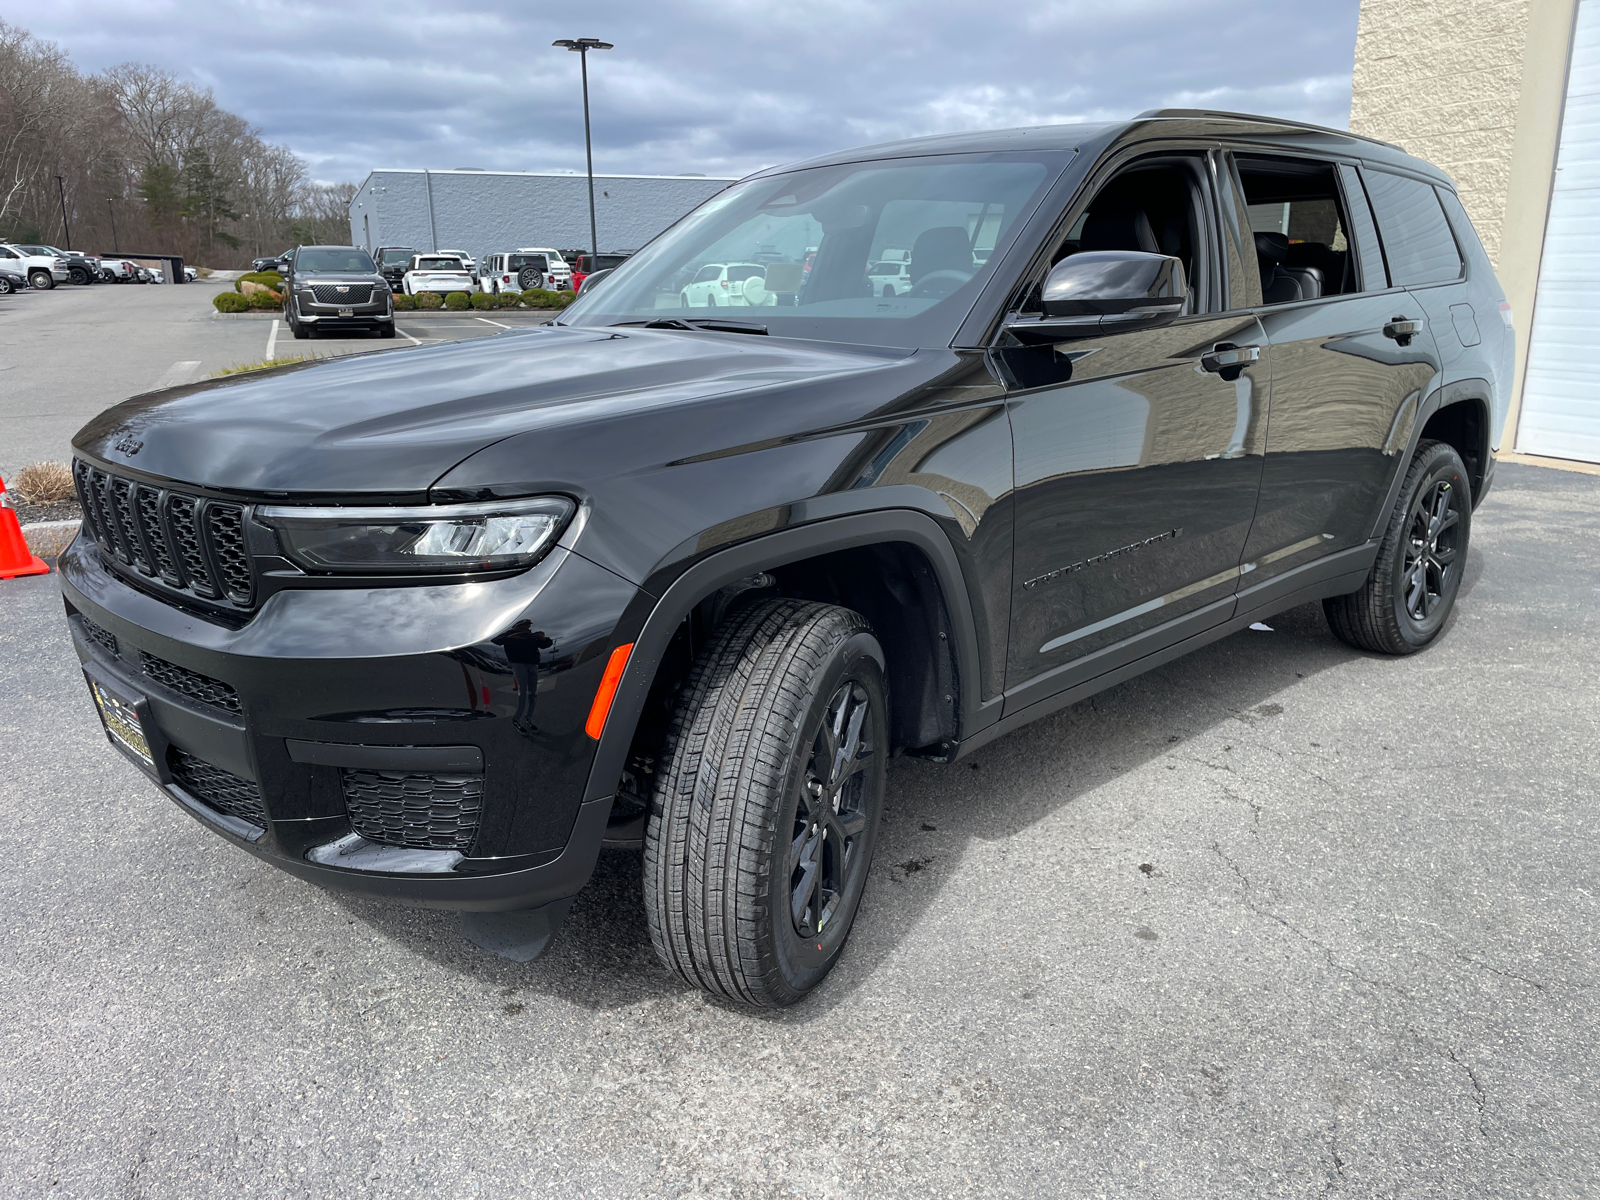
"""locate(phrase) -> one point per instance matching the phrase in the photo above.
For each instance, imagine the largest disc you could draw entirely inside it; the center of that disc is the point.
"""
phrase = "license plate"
(123, 724)
(347, 312)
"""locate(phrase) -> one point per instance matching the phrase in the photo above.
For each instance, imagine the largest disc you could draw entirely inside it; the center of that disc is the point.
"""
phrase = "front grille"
(417, 811)
(353, 293)
(100, 634)
(190, 683)
(219, 789)
(187, 542)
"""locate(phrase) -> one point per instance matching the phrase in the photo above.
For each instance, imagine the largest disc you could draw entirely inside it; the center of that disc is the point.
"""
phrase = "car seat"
(1282, 284)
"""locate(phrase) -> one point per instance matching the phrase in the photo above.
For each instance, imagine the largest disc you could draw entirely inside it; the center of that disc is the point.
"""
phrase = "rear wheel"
(1408, 597)
(765, 815)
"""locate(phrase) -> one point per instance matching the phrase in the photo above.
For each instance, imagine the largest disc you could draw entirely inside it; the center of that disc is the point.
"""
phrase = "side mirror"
(1101, 291)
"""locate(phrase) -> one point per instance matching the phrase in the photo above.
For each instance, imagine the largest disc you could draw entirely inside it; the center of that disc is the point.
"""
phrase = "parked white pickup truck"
(44, 271)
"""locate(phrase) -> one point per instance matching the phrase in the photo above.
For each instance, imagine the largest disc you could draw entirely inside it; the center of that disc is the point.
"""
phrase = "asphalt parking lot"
(68, 353)
(1278, 918)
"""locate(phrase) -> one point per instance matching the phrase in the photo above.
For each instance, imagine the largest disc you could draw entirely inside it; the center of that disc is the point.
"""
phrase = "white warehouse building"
(483, 212)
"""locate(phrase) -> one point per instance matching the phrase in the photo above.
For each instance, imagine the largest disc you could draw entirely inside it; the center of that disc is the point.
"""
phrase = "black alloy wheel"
(829, 823)
(765, 812)
(79, 276)
(1412, 589)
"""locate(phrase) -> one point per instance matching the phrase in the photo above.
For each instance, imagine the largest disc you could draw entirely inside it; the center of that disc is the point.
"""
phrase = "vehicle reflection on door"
(1137, 471)
(1344, 399)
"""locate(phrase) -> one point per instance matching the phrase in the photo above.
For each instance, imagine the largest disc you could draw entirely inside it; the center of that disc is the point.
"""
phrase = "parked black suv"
(333, 288)
(393, 262)
(438, 625)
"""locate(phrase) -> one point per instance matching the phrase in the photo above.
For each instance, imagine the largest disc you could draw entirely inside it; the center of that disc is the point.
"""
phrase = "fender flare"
(1461, 391)
(775, 550)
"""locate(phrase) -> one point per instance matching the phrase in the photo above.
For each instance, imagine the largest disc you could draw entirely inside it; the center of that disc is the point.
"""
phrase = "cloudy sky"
(715, 86)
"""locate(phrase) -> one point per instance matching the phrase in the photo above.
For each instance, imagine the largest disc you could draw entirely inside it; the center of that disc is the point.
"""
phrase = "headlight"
(443, 539)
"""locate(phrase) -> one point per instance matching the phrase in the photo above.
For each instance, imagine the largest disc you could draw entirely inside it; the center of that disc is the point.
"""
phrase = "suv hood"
(393, 422)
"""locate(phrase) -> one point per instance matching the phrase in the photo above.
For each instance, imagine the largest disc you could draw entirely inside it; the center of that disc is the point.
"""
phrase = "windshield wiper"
(692, 323)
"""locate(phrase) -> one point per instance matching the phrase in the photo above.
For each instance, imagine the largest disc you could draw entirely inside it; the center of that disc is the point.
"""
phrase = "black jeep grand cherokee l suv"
(437, 625)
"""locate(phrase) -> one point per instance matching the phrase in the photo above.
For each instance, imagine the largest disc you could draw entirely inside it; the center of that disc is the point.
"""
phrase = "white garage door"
(1561, 392)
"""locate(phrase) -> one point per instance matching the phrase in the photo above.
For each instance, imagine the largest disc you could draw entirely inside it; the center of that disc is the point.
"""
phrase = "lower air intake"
(219, 789)
(418, 811)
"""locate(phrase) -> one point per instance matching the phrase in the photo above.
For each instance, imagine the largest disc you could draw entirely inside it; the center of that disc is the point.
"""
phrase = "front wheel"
(1409, 595)
(765, 813)
(41, 280)
(6, 287)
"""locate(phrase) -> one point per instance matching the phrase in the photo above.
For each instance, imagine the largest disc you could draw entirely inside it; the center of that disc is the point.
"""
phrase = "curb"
(49, 538)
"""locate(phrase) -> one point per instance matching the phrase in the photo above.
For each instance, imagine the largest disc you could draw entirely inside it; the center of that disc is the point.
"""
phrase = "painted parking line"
(272, 340)
(178, 373)
(496, 324)
(407, 336)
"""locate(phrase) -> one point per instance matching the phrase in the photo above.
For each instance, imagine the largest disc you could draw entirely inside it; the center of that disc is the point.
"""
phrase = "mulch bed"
(61, 510)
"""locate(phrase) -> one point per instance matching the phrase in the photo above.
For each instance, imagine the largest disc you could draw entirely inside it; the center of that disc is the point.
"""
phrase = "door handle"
(1401, 330)
(1228, 360)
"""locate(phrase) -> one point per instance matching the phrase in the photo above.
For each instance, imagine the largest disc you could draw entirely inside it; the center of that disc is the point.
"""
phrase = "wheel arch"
(897, 564)
(1458, 410)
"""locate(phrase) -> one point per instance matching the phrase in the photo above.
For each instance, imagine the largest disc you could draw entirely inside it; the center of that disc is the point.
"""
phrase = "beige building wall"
(1475, 87)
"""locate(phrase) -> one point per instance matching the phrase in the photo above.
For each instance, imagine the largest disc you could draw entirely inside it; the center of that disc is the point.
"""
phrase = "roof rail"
(1236, 116)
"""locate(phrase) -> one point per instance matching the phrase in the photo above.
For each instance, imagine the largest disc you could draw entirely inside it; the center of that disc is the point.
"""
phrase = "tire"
(79, 276)
(386, 330)
(41, 280)
(6, 287)
(529, 278)
(1412, 589)
(683, 299)
(741, 809)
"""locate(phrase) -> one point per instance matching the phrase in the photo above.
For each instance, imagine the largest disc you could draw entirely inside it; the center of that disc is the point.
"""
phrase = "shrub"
(229, 302)
(270, 279)
(430, 300)
(456, 301)
(508, 300)
(404, 303)
(482, 301)
(262, 301)
(565, 298)
(539, 298)
(43, 482)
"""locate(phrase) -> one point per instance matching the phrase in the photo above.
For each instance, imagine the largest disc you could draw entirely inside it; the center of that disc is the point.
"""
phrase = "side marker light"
(601, 708)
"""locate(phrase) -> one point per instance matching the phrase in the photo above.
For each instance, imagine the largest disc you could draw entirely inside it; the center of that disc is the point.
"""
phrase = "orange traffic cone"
(15, 557)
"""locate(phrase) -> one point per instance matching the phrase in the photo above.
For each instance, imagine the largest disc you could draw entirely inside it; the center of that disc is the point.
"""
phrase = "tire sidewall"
(797, 967)
(1442, 463)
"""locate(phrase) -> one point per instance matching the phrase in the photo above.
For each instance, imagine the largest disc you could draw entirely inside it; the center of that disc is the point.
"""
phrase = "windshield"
(335, 260)
(394, 256)
(799, 248)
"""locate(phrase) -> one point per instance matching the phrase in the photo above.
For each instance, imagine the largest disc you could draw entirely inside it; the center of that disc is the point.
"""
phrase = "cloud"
(716, 86)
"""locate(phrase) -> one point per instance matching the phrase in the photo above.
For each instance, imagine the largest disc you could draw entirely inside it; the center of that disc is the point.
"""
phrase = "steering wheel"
(938, 284)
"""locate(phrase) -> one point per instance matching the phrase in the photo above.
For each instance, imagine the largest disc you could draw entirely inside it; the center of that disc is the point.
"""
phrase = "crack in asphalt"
(1327, 952)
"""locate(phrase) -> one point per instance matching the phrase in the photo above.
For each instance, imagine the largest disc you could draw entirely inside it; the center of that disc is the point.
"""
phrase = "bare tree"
(141, 150)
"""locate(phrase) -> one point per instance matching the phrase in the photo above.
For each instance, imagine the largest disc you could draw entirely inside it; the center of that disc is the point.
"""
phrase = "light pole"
(116, 246)
(67, 231)
(583, 46)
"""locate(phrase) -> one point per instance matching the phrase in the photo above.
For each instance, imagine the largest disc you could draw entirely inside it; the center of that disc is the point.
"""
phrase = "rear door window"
(1417, 242)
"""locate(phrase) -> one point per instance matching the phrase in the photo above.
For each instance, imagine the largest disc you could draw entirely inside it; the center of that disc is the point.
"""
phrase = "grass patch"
(266, 364)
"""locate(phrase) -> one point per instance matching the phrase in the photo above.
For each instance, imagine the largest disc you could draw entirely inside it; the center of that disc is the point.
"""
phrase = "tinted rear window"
(1416, 237)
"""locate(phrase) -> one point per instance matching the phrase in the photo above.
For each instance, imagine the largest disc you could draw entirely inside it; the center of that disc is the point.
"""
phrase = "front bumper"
(331, 688)
(367, 316)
